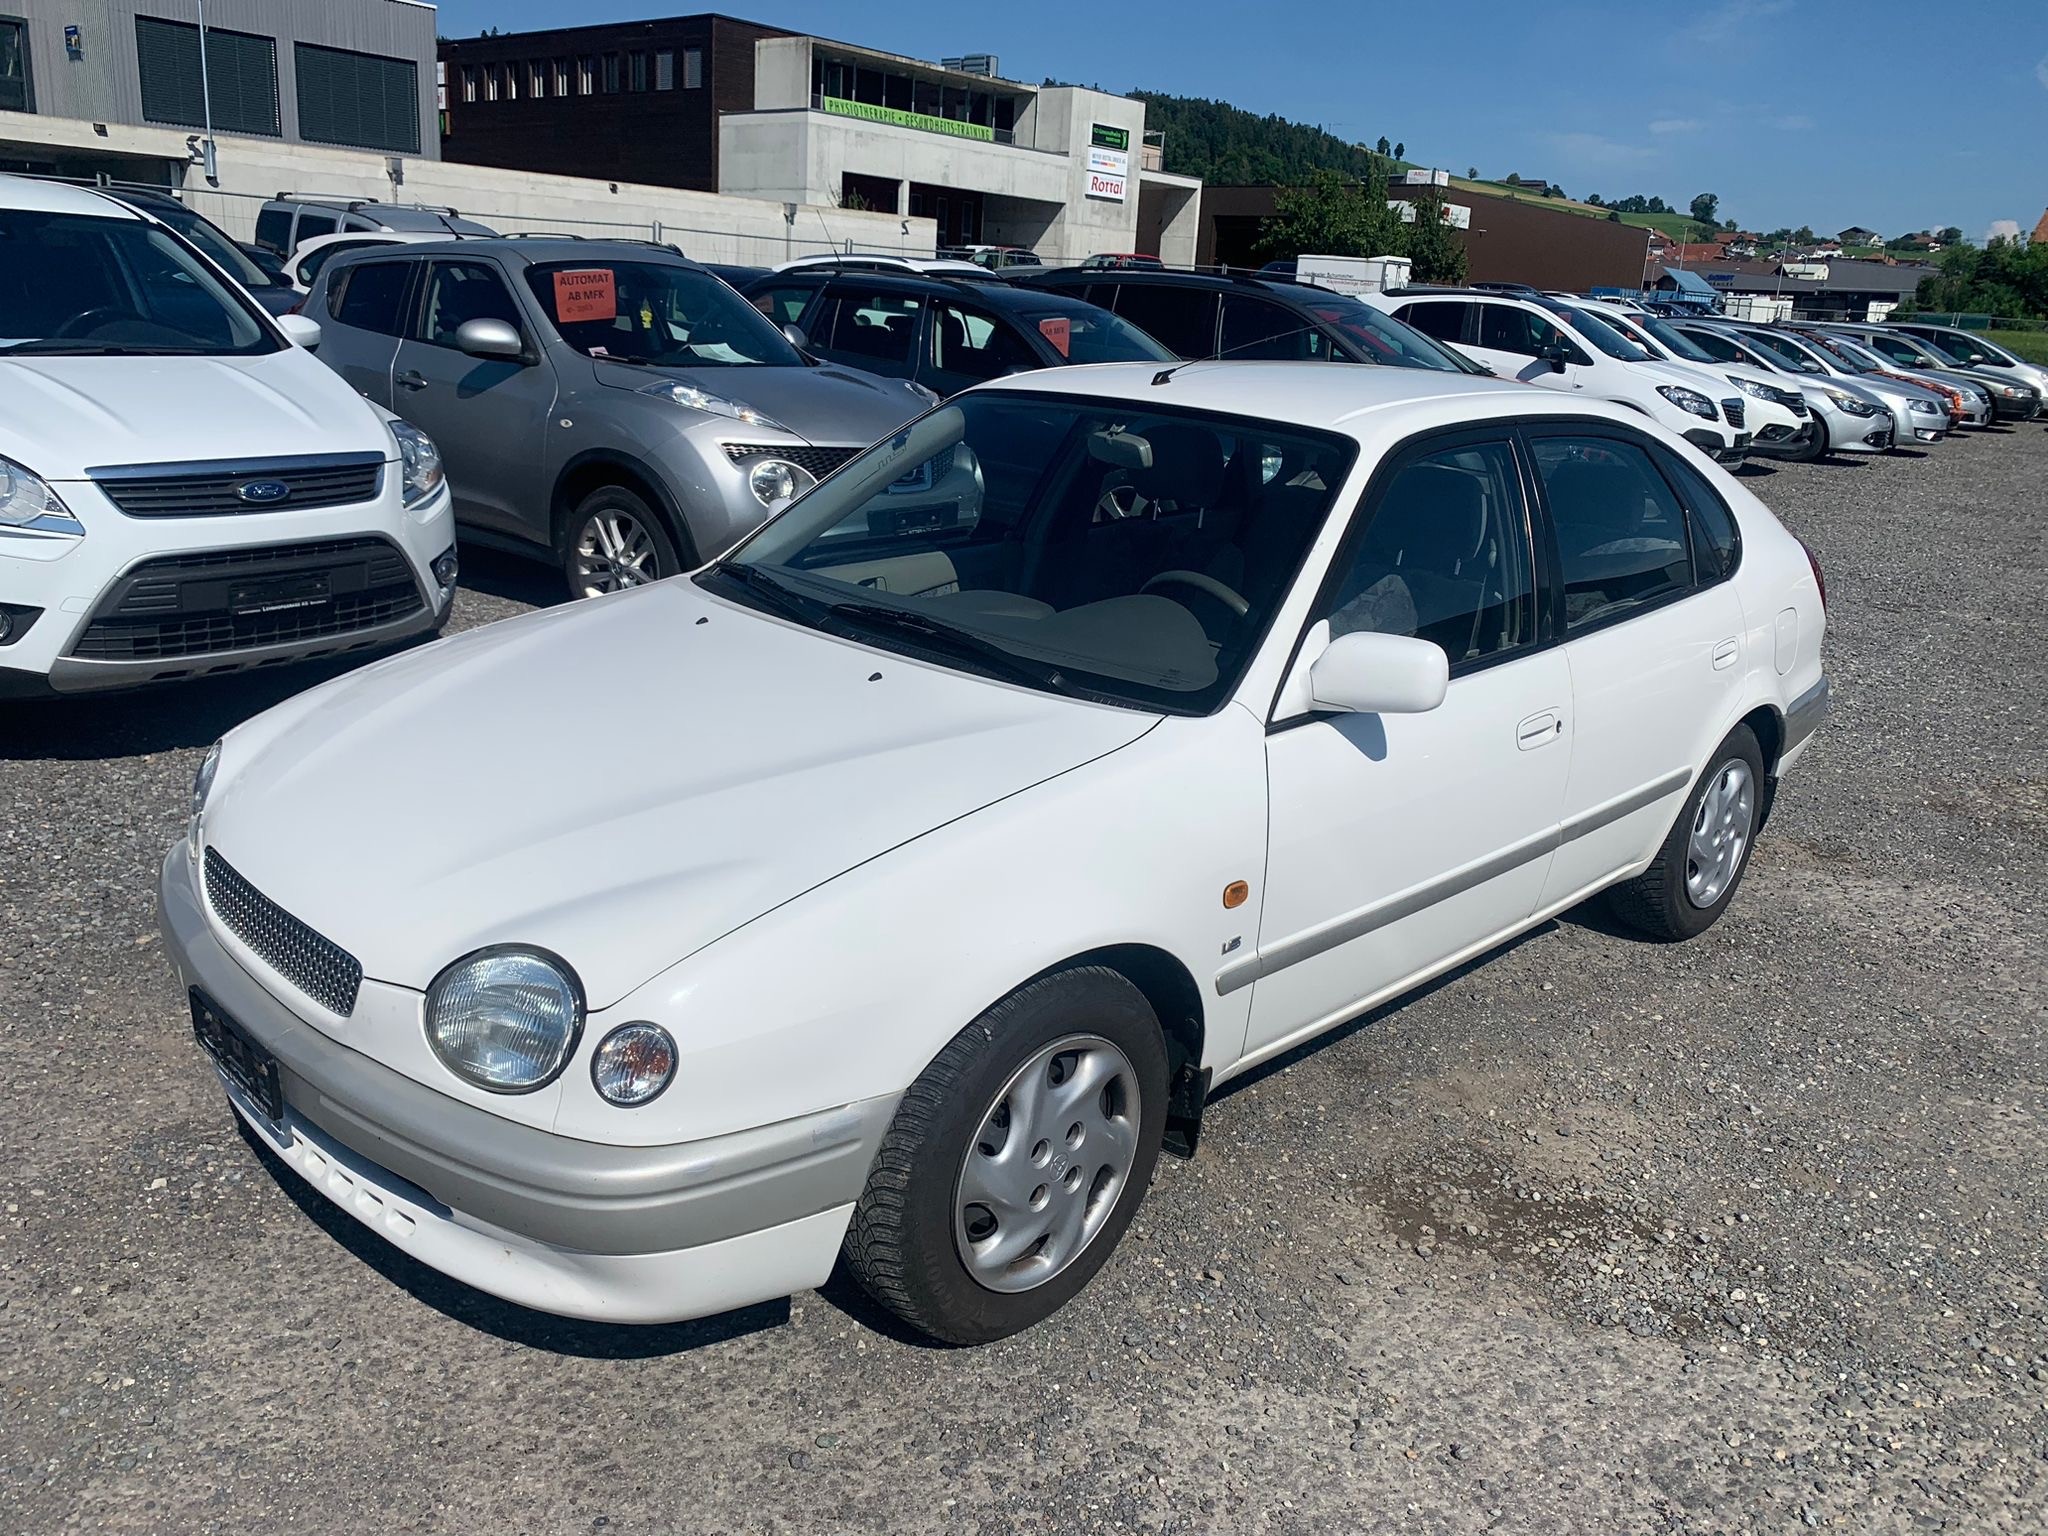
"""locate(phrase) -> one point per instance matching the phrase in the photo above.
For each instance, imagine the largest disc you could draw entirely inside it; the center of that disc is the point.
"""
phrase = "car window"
(1621, 536)
(1523, 332)
(1444, 556)
(459, 292)
(1182, 320)
(1716, 541)
(274, 230)
(367, 296)
(1892, 347)
(1097, 336)
(311, 227)
(785, 305)
(655, 313)
(1254, 329)
(310, 265)
(876, 329)
(1442, 318)
(1715, 346)
(976, 345)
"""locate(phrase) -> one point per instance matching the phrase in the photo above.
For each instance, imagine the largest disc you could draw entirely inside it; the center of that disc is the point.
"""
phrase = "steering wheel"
(1209, 584)
(1118, 502)
(93, 319)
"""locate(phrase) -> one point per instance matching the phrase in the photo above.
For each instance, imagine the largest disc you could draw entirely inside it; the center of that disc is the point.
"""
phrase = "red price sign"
(587, 293)
(1058, 330)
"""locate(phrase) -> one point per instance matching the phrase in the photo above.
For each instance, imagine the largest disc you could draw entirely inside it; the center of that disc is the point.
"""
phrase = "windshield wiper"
(71, 346)
(958, 642)
(773, 594)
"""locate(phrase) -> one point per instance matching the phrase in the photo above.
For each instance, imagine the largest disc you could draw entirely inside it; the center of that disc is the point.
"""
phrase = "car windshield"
(1785, 350)
(1085, 335)
(1384, 339)
(656, 312)
(81, 284)
(1110, 550)
(1672, 339)
(1845, 355)
(1602, 335)
(217, 247)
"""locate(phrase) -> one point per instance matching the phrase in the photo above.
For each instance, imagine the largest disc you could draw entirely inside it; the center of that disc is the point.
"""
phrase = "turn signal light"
(1236, 894)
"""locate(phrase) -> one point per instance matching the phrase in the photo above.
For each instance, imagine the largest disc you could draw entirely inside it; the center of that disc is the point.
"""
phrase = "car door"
(1653, 636)
(1400, 843)
(1182, 320)
(969, 345)
(1516, 342)
(1450, 321)
(367, 305)
(1257, 329)
(488, 415)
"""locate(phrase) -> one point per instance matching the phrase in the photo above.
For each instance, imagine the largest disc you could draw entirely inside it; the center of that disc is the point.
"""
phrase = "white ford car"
(942, 865)
(184, 488)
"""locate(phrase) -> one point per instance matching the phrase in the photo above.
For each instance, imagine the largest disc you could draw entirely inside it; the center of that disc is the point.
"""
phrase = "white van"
(184, 488)
(1543, 341)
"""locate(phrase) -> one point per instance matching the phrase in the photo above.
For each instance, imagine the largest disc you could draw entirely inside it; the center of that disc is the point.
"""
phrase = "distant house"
(1535, 184)
(1920, 242)
(1691, 255)
(2041, 229)
(1856, 234)
(1826, 248)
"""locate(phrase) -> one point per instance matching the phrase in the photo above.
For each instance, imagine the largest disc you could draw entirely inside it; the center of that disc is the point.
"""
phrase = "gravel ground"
(1748, 1234)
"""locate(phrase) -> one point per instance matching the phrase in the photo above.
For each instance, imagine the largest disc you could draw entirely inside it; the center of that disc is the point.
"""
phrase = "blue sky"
(1895, 114)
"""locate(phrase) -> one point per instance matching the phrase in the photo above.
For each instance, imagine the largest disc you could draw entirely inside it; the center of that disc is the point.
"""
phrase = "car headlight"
(1689, 400)
(633, 1064)
(2010, 391)
(423, 475)
(777, 481)
(689, 395)
(30, 509)
(506, 1018)
(1924, 407)
(202, 786)
(1854, 405)
(1752, 387)
(928, 396)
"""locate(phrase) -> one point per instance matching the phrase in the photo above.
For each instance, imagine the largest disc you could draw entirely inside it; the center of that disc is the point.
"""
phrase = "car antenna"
(1164, 375)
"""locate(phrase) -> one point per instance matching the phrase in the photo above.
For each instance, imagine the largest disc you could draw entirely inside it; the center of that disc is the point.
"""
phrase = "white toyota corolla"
(900, 884)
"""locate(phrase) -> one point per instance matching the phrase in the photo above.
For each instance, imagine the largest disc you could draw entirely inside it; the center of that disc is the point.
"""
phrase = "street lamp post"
(209, 161)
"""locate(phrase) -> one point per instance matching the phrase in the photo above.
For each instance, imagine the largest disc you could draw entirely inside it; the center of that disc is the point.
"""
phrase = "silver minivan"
(606, 405)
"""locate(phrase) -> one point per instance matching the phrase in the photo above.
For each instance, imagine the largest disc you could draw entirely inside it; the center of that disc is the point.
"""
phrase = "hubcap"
(1053, 1155)
(613, 551)
(1719, 834)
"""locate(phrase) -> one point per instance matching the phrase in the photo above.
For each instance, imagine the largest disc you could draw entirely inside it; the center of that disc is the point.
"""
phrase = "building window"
(241, 69)
(562, 77)
(611, 73)
(636, 76)
(493, 83)
(17, 94)
(360, 99)
(664, 69)
(537, 80)
(511, 82)
(469, 82)
(693, 69)
(586, 74)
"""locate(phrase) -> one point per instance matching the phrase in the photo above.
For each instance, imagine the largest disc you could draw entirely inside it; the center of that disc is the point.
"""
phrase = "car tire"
(613, 539)
(1695, 874)
(922, 1245)
(1818, 447)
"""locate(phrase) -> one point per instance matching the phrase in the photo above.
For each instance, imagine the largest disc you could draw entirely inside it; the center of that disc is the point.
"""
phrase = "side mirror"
(489, 338)
(300, 330)
(1366, 673)
(794, 335)
(1554, 356)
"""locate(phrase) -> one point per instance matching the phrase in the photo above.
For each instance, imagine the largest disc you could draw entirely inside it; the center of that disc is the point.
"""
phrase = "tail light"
(1819, 580)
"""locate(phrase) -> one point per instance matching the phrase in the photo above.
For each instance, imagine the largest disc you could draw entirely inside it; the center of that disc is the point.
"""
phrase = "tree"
(1512, 179)
(1593, 200)
(1433, 245)
(1948, 234)
(1706, 208)
(1657, 205)
(1613, 217)
(1554, 190)
(1471, 173)
(1803, 235)
(1383, 147)
(1400, 151)
(1327, 215)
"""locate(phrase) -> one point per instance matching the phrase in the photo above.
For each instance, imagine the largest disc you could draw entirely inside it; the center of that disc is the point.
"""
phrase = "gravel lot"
(1749, 1234)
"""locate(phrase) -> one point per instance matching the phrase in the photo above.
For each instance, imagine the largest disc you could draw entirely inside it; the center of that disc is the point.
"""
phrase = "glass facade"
(862, 88)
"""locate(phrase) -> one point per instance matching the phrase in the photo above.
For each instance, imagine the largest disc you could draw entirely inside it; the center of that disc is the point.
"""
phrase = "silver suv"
(606, 405)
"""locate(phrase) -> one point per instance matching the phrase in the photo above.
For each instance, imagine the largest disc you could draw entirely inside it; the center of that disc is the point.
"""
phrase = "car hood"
(63, 415)
(822, 405)
(621, 781)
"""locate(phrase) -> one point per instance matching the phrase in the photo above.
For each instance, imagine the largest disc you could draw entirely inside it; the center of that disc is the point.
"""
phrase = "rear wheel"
(1016, 1160)
(1690, 883)
(616, 540)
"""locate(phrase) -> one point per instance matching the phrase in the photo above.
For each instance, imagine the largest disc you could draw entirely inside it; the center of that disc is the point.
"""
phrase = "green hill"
(1228, 146)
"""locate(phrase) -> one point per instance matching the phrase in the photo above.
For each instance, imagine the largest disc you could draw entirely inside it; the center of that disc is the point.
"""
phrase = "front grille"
(815, 462)
(218, 489)
(215, 602)
(1734, 412)
(318, 967)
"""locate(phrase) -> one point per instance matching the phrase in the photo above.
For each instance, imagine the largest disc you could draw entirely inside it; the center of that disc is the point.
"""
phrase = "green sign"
(1102, 136)
(900, 119)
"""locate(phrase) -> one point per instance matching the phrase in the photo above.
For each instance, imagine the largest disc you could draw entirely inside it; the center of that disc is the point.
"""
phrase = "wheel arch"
(1767, 723)
(596, 467)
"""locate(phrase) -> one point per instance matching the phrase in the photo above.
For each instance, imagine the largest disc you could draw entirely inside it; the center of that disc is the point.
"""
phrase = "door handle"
(1725, 654)
(412, 378)
(1538, 729)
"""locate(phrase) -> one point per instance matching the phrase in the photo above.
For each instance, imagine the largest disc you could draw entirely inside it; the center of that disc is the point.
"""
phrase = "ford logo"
(263, 491)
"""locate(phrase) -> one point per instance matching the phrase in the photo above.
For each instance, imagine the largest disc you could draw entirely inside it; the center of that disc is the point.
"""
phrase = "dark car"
(274, 291)
(1198, 314)
(733, 274)
(942, 333)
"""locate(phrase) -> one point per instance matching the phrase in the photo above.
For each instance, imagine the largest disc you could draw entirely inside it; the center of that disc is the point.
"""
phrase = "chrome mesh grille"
(317, 966)
(815, 462)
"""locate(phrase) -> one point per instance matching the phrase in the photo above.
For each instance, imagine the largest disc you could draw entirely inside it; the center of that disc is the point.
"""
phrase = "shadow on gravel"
(502, 1319)
(496, 573)
(1845, 460)
(1751, 469)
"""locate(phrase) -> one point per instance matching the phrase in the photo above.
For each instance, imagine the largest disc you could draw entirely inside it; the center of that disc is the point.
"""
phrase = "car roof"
(29, 195)
(526, 250)
(1152, 277)
(1000, 296)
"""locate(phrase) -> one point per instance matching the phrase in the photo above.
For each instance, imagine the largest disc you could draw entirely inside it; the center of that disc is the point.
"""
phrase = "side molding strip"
(1804, 715)
(1354, 925)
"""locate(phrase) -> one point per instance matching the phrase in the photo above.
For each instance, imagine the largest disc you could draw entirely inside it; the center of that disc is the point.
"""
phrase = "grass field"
(2031, 345)
(1676, 225)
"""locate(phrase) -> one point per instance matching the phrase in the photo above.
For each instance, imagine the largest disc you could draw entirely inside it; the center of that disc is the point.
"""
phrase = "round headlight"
(505, 1019)
(632, 1064)
(774, 481)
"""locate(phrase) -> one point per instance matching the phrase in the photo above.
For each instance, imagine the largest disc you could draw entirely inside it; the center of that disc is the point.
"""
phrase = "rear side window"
(274, 230)
(461, 291)
(1442, 318)
(368, 296)
(1716, 541)
(311, 226)
(978, 346)
(1182, 320)
(1254, 329)
(1716, 346)
(1621, 534)
(877, 330)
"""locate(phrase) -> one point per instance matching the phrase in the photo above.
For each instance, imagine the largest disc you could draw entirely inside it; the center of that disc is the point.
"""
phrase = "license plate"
(303, 591)
(241, 1060)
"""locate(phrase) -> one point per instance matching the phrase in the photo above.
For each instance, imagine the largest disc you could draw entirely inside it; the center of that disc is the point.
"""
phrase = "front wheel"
(1016, 1160)
(1691, 881)
(615, 540)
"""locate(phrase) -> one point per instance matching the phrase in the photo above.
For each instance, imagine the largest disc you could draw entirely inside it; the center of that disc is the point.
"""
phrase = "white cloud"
(1677, 125)
(1591, 149)
(2041, 71)
(2008, 228)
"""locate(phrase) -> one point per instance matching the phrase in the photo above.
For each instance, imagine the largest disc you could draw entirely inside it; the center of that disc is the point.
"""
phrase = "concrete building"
(355, 73)
(713, 103)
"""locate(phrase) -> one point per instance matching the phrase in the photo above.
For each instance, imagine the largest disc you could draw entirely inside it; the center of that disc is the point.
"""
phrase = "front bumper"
(1719, 445)
(583, 1229)
(2004, 408)
(1793, 444)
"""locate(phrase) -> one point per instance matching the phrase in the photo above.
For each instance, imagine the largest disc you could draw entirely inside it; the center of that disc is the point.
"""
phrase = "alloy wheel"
(614, 550)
